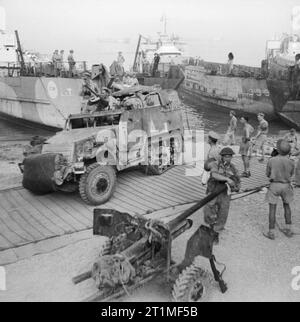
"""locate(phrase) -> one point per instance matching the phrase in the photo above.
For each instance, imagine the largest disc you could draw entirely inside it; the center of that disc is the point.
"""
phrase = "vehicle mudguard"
(38, 173)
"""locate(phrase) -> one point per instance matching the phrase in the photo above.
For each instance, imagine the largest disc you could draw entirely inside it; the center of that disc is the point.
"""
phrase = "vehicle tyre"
(193, 285)
(97, 185)
(69, 187)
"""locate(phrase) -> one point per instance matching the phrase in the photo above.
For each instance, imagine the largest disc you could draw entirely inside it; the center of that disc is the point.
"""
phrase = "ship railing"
(164, 70)
(213, 68)
(43, 69)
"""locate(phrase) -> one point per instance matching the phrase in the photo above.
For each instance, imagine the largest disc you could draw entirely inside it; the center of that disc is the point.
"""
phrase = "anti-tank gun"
(139, 249)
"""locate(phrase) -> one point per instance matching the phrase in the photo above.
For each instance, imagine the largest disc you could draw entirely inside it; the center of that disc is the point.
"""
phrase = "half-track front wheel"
(97, 185)
(192, 285)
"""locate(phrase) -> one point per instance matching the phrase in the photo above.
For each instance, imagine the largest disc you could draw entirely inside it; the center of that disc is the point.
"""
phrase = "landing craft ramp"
(26, 218)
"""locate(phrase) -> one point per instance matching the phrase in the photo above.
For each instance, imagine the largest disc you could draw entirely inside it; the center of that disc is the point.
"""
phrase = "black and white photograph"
(149, 153)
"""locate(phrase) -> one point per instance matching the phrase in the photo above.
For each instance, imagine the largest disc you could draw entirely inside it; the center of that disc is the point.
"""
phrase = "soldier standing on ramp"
(261, 136)
(280, 170)
(230, 134)
(222, 172)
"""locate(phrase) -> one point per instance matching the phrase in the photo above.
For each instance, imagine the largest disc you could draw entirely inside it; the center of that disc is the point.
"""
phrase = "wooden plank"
(53, 220)
(11, 222)
(25, 224)
(188, 184)
(60, 226)
(32, 215)
(156, 193)
(166, 194)
(134, 207)
(146, 199)
(47, 202)
(153, 182)
(178, 188)
(76, 211)
(22, 229)
(4, 243)
(67, 213)
(11, 235)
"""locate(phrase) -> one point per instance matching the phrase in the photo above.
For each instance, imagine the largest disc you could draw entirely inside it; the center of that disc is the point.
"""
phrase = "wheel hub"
(100, 184)
(197, 292)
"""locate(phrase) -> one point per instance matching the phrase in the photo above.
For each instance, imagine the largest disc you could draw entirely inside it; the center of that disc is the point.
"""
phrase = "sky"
(212, 28)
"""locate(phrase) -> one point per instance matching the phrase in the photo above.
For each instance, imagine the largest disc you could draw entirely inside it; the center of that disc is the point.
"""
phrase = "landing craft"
(244, 88)
(284, 75)
(29, 90)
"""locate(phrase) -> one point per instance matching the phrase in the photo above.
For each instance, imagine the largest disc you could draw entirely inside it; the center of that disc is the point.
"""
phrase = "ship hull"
(245, 94)
(44, 101)
(286, 109)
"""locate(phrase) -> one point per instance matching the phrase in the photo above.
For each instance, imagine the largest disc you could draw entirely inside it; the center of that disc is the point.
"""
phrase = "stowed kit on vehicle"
(147, 131)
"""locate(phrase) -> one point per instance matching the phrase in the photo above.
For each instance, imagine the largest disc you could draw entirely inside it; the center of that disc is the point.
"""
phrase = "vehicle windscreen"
(94, 121)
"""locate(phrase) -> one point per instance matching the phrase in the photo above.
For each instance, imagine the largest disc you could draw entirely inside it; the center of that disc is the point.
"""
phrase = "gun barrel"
(175, 222)
(92, 91)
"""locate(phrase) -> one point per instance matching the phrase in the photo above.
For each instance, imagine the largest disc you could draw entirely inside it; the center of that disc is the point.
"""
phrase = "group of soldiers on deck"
(59, 63)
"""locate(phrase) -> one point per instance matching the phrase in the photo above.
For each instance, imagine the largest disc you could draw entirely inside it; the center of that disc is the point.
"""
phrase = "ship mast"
(164, 20)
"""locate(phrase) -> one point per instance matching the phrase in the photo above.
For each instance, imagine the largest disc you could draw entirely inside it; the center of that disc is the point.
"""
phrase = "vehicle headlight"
(84, 149)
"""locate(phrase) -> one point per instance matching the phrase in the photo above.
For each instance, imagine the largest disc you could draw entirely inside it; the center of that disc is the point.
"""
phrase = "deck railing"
(39, 69)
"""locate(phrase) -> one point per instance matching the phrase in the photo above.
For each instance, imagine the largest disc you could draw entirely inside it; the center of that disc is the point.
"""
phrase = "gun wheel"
(192, 285)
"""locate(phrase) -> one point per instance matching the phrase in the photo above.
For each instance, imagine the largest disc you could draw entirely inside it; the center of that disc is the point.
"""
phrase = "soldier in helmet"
(222, 172)
(280, 170)
(90, 93)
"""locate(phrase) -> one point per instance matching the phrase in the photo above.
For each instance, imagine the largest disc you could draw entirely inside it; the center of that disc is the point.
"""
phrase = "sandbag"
(38, 173)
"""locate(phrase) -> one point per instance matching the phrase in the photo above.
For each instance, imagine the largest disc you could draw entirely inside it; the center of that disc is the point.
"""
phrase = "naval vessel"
(244, 89)
(30, 91)
(284, 77)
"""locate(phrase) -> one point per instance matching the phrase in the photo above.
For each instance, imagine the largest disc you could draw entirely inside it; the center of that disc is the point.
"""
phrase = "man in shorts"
(246, 146)
(230, 134)
(261, 136)
(280, 170)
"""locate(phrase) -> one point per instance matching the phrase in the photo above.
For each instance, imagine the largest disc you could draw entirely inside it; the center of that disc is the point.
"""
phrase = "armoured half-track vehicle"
(146, 130)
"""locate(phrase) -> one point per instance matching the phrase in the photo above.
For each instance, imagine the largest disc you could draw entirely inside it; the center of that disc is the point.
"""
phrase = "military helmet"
(226, 151)
(283, 147)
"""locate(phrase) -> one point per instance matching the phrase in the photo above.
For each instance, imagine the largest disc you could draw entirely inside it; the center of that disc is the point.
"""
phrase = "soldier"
(261, 136)
(121, 59)
(107, 101)
(55, 61)
(292, 138)
(222, 171)
(230, 63)
(230, 134)
(61, 62)
(155, 64)
(280, 170)
(89, 92)
(297, 173)
(246, 146)
(212, 155)
(72, 63)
